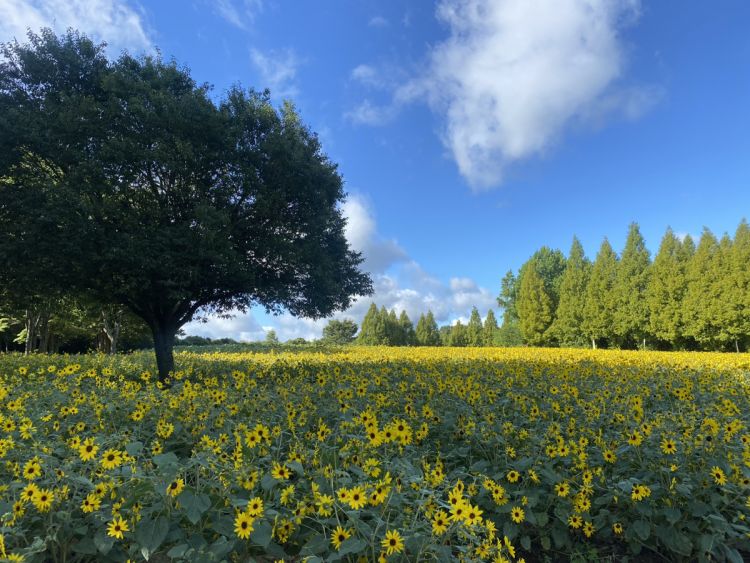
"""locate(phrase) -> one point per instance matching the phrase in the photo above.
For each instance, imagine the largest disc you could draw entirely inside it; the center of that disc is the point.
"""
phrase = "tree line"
(687, 298)
(383, 327)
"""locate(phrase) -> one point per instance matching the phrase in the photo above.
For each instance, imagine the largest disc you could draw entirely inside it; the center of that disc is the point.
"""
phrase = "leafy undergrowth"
(372, 453)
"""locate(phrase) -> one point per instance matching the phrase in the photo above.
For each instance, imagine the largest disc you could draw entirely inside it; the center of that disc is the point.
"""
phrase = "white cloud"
(113, 21)
(367, 113)
(361, 232)
(244, 328)
(277, 70)
(399, 282)
(240, 14)
(366, 74)
(378, 21)
(513, 75)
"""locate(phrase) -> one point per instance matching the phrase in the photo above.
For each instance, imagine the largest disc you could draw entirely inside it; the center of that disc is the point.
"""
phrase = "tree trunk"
(593, 343)
(163, 346)
(111, 323)
(736, 345)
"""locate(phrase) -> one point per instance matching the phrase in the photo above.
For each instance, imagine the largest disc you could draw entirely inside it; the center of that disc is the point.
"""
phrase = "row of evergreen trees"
(688, 297)
(382, 327)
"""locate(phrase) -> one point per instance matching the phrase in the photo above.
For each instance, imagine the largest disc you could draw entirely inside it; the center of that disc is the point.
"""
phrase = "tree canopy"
(127, 181)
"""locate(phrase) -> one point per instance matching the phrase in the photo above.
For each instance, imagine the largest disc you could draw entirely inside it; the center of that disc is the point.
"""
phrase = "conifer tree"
(372, 331)
(727, 301)
(666, 288)
(598, 312)
(458, 335)
(407, 330)
(420, 331)
(738, 290)
(489, 330)
(631, 310)
(474, 329)
(427, 331)
(393, 333)
(701, 304)
(568, 324)
(535, 308)
(507, 297)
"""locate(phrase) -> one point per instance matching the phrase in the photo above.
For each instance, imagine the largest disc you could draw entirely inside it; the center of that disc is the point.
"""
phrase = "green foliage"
(535, 307)
(489, 330)
(666, 289)
(599, 308)
(372, 332)
(427, 333)
(702, 302)
(568, 324)
(508, 296)
(408, 333)
(474, 334)
(438, 416)
(630, 319)
(509, 334)
(458, 335)
(126, 180)
(381, 327)
(339, 332)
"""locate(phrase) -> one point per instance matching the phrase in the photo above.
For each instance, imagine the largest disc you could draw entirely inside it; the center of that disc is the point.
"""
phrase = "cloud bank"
(277, 71)
(513, 75)
(399, 282)
(113, 21)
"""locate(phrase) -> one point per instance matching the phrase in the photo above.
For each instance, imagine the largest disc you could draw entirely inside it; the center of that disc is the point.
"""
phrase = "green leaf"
(150, 534)
(262, 534)
(526, 543)
(546, 543)
(194, 505)
(103, 542)
(85, 546)
(134, 448)
(352, 545)
(560, 537)
(733, 555)
(316, 544)
(267, 482)
(642, 529)
(672, 515)
(178, 551)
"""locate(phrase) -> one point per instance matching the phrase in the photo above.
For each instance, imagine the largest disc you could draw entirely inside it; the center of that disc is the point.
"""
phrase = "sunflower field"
(376, 454)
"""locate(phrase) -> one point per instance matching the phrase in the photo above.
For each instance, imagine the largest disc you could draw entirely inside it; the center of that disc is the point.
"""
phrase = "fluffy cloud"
(277, 70)
(241, 327)
(398, 280)
(239, 15)
(378, 21)
(513, 75)
(113, 21)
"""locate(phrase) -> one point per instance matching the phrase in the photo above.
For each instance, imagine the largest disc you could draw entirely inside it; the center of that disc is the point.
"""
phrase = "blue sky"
(470, 133)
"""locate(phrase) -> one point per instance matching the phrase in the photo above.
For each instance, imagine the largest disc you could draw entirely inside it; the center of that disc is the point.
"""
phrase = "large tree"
(629, 293)
(474, 329)
(128, 181)
(568, 324)
(599, 309)
(427, 333)
(737, 290)
(666, 288)
(489, 329)
(702, 301)
(339, 331)
(535, 307)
